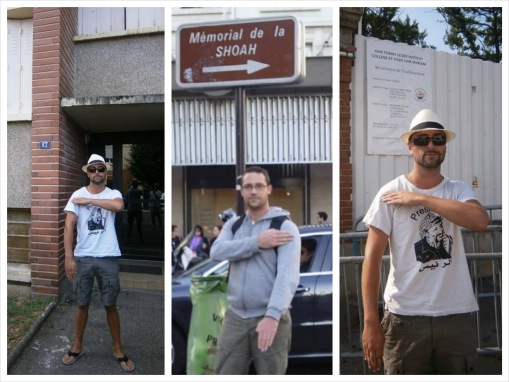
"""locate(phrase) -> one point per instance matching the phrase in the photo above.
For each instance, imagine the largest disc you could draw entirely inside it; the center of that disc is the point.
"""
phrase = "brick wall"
(55, 171)
(345, 164)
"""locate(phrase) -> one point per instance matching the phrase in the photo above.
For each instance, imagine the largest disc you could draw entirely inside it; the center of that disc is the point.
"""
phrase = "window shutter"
(131, 18)
(137, 18)
(27, 34)
(104, 20)
(13, 67)
(88, 21)
(19, 69)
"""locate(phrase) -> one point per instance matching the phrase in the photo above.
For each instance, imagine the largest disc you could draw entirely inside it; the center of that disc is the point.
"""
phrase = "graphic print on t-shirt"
(433, 250)
(96, 220)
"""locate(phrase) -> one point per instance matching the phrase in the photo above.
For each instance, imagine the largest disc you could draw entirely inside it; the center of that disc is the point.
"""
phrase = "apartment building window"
(19, 70)
(105, 20)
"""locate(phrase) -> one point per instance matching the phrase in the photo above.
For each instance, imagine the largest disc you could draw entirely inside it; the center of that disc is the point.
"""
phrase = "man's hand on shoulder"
(404, 198)
(81, 200)
(272, 238)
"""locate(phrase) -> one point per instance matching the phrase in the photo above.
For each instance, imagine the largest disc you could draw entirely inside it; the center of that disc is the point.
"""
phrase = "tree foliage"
(384, 23)
(146, 163)
(474, 32)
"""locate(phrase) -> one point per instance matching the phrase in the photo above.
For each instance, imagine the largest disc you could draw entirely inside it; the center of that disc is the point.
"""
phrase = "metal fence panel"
(485, 263)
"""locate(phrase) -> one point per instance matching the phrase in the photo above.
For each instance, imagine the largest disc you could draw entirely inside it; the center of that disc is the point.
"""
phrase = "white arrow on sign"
(250, 67)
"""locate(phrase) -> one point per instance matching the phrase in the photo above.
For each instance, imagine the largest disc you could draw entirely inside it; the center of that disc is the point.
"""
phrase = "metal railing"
(484, 255)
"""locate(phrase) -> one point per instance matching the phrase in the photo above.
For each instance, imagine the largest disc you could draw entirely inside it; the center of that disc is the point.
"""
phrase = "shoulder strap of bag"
(238, 223)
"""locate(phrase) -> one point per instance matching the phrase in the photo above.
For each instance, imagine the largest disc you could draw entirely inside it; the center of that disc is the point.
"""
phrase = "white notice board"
(399, 84)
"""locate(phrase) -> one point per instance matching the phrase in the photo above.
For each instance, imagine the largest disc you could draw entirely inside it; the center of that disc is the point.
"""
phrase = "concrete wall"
(19, 137)
(131, 65)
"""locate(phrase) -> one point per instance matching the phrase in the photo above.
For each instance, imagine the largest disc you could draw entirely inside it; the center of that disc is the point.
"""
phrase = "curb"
(16, 352)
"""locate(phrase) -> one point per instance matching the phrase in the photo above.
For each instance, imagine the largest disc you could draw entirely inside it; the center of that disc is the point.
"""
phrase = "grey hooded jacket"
(261, 283)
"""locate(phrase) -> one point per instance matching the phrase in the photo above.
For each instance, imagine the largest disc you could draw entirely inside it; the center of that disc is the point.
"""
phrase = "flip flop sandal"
(124, 359)
(72, 354)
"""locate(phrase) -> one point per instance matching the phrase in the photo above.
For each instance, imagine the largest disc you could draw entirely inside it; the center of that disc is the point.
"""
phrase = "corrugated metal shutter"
(203, 132)
(286, 129)
(289, 129)
(468, 97)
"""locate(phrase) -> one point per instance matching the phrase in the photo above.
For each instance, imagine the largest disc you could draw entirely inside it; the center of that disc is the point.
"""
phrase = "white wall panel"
(467, 94)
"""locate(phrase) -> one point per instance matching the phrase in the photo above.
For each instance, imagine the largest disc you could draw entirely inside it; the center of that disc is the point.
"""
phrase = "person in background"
(176, 239)
(154, 205)
(307, 250)
(215, 231)
(321, 217)
(134, 198)
(199, 245)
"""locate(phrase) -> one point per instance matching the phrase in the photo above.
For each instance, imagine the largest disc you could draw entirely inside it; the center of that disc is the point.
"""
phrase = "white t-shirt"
(429, 272)
(96, 226)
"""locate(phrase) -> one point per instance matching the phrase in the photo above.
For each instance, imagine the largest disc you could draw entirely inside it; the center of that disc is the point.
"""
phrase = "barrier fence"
(484, 255)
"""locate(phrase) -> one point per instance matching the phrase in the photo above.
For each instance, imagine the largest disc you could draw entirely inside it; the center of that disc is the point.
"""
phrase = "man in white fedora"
(92, 209)
(428, 289)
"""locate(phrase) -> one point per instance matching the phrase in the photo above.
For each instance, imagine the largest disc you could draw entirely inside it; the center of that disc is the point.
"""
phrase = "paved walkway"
(142, 327)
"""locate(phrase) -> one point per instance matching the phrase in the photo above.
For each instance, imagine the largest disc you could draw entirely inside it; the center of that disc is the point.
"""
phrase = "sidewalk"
(142, 327)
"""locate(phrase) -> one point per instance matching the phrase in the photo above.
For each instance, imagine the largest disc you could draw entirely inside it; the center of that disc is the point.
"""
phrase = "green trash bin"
(208, 296)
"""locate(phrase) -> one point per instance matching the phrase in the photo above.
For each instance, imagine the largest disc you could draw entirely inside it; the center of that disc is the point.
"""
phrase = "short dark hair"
(197, 226)
(309, 244)
(258, 170)
(173, 227)
(323, 215)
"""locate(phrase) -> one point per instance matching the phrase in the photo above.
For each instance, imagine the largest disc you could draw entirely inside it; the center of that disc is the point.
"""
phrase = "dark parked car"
(311, 305)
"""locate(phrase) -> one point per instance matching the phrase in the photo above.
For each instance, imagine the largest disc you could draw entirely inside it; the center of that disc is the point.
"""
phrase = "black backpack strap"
(238, 223)
(276, 223)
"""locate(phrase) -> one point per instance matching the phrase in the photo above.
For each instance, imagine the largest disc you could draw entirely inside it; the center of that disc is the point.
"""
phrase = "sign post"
(237, 54)
(240, 122)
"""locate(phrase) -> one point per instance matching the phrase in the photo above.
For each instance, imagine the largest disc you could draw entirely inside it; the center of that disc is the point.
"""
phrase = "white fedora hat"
(427, 120)
(95, 159)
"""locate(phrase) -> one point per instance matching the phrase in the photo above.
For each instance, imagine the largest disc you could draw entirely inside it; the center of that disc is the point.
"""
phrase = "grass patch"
(22, 312)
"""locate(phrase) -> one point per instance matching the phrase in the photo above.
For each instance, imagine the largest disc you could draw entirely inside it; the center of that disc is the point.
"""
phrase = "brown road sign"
(240, 53)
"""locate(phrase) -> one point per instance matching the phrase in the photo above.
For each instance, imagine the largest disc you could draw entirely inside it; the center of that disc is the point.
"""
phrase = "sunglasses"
(92, 170)
(438, 140)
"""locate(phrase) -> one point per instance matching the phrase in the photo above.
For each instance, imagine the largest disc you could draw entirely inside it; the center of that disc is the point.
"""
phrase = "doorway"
(137, 159)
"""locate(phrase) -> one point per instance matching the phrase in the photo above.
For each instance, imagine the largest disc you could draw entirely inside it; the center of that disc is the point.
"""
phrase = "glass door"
(138, 173)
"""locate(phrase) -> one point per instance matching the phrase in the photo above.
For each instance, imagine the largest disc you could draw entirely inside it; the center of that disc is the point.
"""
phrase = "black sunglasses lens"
(420, 141)
(439, 141)
(93, 169)
(423, 141)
